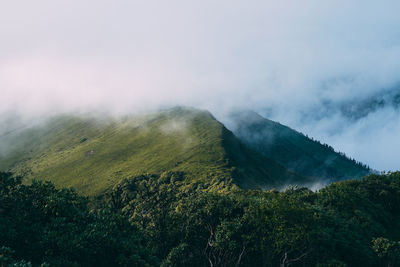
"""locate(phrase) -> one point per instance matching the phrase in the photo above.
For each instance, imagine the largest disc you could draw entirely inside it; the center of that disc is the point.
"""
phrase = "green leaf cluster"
(45, 225)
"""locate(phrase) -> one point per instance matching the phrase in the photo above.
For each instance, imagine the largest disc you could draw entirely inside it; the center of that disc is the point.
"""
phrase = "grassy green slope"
(92, 155)
(294, 150)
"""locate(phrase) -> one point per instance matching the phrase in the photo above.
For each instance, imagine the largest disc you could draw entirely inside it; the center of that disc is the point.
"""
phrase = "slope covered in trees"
(154, 220)
(93, 154)
(294, 150)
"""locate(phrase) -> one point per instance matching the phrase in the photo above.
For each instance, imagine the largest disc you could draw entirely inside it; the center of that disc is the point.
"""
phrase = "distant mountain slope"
(356, 108)
(92, 154)
(294, 150)
(361, 107)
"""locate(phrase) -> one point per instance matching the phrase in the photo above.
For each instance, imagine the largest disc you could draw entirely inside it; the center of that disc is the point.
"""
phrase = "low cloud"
(287, 60)
(175, 126)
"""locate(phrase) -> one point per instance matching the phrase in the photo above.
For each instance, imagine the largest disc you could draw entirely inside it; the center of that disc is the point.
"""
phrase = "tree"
(387, 250)
(44, 224)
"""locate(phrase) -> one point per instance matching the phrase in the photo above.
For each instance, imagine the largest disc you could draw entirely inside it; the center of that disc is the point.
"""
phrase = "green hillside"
(294, 150)
(93, 154)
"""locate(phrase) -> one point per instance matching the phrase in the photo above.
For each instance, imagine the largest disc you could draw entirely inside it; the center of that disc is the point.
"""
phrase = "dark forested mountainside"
(294, 150)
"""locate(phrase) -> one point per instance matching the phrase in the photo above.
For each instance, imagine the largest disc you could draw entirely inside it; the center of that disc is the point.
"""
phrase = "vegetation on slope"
(40, 224)
(294, 150)
(92, 154)
(173, 222)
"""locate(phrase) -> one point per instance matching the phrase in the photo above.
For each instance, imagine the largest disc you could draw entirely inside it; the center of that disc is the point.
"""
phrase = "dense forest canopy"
(153, 220)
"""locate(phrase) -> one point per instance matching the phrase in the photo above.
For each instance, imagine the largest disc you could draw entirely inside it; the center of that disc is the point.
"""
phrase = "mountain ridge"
(92, 155)
(294, 150)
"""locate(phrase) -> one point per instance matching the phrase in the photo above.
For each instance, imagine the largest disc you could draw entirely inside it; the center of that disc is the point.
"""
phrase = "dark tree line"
(165, 220)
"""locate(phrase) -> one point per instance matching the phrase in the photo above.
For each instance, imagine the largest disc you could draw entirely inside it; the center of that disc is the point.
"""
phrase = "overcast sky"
(284, 59)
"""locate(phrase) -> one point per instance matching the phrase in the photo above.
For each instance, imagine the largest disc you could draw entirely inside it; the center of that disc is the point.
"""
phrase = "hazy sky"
(285, 59)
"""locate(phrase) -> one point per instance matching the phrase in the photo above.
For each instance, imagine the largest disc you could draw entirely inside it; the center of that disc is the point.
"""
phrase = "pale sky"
(284, 59)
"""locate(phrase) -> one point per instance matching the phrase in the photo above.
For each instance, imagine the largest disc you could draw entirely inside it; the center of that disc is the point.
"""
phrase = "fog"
(296, 62)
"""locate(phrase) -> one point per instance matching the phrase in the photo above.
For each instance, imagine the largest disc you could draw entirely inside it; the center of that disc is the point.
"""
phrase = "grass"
(92, 154)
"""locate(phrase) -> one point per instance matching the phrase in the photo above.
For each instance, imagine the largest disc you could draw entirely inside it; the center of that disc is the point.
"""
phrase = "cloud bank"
(287, 60)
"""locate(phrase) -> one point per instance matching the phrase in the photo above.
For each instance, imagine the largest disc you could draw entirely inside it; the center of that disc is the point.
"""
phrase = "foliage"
(388, 250)
(44, 224)
(7, 259)
(186, 223)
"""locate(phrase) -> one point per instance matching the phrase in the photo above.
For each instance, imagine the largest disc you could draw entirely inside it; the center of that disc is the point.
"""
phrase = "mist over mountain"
(354, 108)
(358, 109)
(200, 133)
(92, 154)
(314, 66)
(356, 126)
(294, 150)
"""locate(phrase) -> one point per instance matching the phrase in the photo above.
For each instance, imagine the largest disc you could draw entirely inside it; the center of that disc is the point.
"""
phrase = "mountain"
(293, 149)
(358, 107)
(93, 154)
(362, 107)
